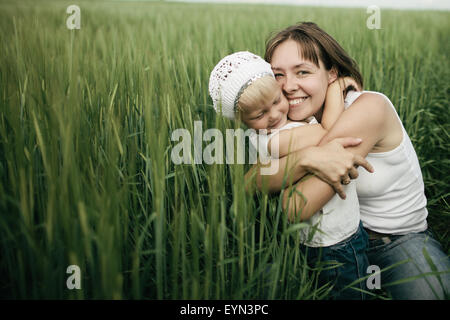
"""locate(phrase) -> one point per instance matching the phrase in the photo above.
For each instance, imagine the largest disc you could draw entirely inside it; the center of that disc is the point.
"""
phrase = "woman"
(305, 60)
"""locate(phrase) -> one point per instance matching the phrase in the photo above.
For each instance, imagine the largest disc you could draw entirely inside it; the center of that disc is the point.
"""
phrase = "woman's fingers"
(349, 169)
(346, 180)
(357, 159)
(335, 165)
(352, 174)
(360, 161)
(339, 190)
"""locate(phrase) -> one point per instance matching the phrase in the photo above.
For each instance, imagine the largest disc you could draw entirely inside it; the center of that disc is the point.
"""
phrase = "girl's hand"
(346, 84)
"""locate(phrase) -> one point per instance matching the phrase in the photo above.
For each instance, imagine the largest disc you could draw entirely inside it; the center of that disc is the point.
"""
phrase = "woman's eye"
(278, 75)
(302, 72)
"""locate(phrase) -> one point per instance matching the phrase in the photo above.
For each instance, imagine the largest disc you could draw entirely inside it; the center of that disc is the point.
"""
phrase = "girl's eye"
(276, 102)
(278, 75)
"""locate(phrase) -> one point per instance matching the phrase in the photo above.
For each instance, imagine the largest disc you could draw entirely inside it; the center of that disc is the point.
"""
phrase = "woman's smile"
(296, 102)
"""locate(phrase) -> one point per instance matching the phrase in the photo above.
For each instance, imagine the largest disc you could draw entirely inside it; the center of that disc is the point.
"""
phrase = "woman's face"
(303, 83)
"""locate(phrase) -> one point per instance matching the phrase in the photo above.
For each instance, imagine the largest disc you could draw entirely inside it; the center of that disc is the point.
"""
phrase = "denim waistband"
(389, 238)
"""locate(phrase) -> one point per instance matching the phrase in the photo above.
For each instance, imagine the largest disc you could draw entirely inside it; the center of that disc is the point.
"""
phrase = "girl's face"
(303, 83)
(269, 116)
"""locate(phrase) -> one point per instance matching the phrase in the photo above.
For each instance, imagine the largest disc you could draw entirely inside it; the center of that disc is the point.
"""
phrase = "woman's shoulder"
(375, 101)
(374, 96)
(371, 108)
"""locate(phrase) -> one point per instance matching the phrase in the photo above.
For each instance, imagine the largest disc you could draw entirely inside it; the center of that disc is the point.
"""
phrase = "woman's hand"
(333, 164)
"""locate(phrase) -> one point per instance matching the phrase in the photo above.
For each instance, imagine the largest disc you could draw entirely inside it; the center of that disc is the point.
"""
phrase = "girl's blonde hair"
(258, 93)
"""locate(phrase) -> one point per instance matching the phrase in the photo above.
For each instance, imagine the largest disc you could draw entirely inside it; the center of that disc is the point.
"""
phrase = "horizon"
(383, 4)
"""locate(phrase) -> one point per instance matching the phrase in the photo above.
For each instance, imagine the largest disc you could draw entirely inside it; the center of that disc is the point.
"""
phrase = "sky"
(394, 4)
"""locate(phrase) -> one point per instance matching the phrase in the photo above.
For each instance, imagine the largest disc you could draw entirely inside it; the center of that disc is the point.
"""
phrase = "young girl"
(243, 87)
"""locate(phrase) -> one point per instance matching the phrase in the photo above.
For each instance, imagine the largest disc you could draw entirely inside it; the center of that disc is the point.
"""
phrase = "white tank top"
(392, 199)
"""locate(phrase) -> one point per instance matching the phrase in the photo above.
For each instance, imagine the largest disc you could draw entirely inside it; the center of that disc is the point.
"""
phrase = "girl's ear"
(332, 75)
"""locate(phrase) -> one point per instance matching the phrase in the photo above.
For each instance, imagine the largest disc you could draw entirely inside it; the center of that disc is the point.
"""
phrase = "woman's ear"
(332, 75)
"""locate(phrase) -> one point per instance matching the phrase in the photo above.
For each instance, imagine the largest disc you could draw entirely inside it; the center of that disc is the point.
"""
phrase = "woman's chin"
(299, 114)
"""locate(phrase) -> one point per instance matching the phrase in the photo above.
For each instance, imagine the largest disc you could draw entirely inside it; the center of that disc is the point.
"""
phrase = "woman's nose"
(290, 85)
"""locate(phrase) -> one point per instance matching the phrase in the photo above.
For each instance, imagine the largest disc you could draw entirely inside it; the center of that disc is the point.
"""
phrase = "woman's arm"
(365, 118)
(329, 162)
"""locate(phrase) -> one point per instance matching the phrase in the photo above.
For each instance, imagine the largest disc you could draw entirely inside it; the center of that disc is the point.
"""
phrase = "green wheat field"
(86, 117)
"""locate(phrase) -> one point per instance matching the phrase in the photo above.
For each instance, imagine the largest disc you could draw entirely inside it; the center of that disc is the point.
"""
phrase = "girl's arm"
(294, 139)
(365, 118)
(306, 197)
(334, 105)
(334, 101)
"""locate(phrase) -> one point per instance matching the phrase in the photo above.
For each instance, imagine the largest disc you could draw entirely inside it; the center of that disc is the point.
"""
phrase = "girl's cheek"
(257, 125)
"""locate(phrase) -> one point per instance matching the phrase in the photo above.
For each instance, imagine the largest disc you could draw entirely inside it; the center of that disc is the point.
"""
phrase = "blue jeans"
(351, 256)
(410, 248)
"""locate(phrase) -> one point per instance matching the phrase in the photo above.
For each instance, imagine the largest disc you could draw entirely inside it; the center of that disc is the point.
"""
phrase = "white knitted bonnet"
(231, 76)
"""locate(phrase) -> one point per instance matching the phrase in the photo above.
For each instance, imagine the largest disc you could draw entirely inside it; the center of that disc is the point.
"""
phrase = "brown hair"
(316, 44)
